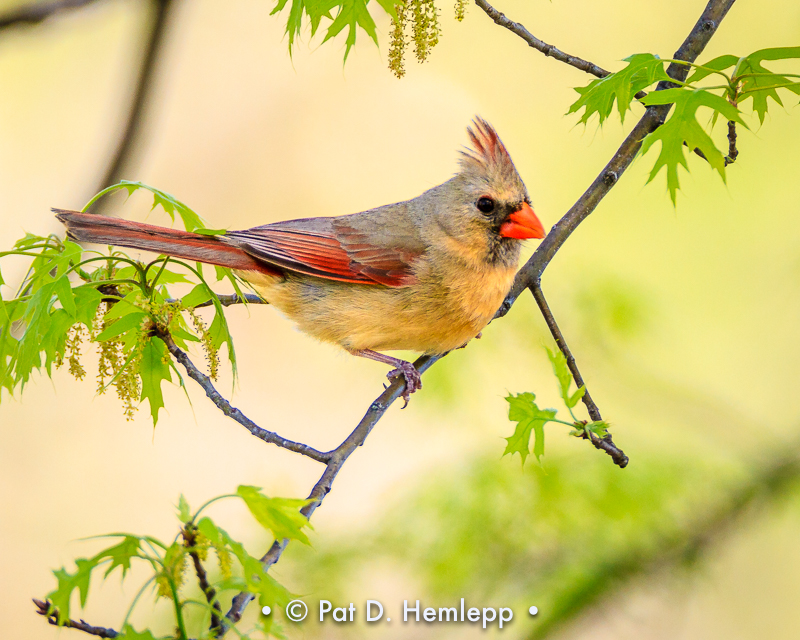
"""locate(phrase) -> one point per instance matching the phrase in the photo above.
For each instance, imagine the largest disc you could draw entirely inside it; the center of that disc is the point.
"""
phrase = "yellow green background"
(684, 321)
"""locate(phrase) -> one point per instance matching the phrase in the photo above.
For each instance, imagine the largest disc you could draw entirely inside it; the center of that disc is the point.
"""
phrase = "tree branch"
(733, 152)
(189, 533)
(605, 443)
(652, 119)
(323, 486)
(534, 42)
(46, 609)
(39, 11)
(226, 300)
(232, 412)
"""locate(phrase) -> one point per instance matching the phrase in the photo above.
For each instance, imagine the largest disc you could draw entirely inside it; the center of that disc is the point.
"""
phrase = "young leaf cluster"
(121, 306)
(531, 419)
(169, 568)
(748, 79)
(341, 14)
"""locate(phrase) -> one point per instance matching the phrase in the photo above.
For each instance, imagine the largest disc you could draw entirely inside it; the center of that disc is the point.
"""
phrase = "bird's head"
(494, 209)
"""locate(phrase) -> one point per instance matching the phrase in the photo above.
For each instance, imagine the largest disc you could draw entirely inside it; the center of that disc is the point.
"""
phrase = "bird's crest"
(488, 153)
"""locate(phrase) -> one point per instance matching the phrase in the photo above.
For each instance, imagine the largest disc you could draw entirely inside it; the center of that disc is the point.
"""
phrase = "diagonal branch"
(547, 49)
(232, 412)
(38, 12)
(45, 608)
(337, 459)
(652, 119)
(605, 443)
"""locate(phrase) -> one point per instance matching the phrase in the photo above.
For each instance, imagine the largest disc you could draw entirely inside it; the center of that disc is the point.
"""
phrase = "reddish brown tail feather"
(87, 227)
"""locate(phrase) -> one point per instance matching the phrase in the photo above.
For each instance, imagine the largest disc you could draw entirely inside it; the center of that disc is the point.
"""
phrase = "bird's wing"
(347, 248)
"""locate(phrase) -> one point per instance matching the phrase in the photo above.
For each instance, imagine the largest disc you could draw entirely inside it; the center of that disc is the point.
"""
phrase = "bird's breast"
(440, 312)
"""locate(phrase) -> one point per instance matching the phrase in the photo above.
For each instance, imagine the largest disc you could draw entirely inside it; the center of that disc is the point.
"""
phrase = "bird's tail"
(87, 227)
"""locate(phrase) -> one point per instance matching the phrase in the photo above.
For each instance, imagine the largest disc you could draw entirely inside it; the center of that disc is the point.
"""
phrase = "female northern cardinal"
(423, 275)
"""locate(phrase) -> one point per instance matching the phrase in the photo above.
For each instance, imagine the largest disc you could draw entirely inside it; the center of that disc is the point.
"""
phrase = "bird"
(424, 275)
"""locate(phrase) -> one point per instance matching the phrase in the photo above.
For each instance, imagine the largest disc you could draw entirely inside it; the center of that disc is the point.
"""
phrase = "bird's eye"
(485, 204)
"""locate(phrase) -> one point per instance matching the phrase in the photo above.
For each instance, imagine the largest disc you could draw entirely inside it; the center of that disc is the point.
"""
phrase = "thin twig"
(144, 84)
(232, 412)
(733, 152)
(605, 443)
(540, 45)
(190, 542)
(227, 299)
(45, 608)
(39, 11)
(337, 459)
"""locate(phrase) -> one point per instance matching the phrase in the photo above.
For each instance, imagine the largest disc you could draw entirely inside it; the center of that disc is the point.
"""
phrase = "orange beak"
(522, 224)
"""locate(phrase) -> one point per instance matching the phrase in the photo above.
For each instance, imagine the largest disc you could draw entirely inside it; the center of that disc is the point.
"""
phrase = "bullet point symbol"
(266, 611)
(533, 611)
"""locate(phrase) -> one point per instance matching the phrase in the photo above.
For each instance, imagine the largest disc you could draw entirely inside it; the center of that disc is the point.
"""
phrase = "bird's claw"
(412, 377)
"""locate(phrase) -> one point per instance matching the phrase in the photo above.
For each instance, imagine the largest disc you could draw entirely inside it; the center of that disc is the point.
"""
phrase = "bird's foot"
(412, 377)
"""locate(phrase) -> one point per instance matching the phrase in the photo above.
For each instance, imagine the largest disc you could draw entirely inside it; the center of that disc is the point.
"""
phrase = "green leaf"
(598, 96)
(759, 83)
(220, 334)
(597, 427)
(683, 132)
(207, 527)
(199, 295)
(390, 7)
(87, 299)
(530, 419)
(184, 512)
(281, 516)
(575, 398)
(69, 582)
(153, 369)
(564, 376)
(270, 591)
(352, 14)
(129, 633)
(255, 578)
(130, 321)
(170, 204)
(560, 368)
(717, 64)
(120, 554)
(125, 306)
(165, 276)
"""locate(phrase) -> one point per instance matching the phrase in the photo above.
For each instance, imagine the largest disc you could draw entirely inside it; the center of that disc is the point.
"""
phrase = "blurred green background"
(684, 322)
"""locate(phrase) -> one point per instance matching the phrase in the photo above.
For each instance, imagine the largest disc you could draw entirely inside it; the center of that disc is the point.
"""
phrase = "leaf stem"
(210, 502)
(138, 595)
